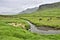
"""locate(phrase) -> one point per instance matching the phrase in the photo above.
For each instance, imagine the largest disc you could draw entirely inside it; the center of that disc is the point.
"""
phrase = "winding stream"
(34, 29)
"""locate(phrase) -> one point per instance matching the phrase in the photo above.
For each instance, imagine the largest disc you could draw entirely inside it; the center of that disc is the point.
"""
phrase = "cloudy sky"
(15, 6)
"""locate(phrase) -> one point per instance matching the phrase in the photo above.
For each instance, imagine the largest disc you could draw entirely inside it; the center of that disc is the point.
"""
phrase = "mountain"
(30, 10)
(43, 6)
(51, 5)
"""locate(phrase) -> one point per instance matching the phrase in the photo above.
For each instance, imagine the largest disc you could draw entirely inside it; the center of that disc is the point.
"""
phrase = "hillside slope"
(29, 10)
(52, 5)
(48, 17)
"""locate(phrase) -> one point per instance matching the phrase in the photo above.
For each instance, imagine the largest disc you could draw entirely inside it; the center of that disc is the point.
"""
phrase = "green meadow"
(11, 26)
(46, 17)
(10, 32)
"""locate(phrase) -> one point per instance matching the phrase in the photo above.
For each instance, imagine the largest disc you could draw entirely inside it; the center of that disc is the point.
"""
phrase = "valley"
(27, 26)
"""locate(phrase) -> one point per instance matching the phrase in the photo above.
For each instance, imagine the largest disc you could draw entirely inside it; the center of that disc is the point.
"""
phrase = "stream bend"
(34, 29)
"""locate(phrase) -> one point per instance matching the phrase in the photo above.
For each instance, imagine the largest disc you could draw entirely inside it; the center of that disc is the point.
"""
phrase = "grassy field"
(13, 21)
(10, 32)
(47, 17)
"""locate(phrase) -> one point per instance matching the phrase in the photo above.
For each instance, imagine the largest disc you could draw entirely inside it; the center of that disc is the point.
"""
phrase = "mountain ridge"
(29, 10)
(43, 6)
(51, 5)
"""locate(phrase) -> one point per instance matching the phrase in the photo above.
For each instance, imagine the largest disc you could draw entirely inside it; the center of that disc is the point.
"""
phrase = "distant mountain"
(30, 10)
(43, 6)
(52, 5)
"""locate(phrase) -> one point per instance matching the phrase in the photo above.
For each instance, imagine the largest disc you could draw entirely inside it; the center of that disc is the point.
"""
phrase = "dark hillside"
(53, 5)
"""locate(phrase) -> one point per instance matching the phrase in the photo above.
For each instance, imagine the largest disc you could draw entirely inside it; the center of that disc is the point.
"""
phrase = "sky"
(8, 7)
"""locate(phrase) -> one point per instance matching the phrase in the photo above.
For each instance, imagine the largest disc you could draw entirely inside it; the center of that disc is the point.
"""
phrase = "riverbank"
(42, 30)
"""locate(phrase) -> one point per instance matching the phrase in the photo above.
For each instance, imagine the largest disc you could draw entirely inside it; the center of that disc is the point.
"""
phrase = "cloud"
(15, 6)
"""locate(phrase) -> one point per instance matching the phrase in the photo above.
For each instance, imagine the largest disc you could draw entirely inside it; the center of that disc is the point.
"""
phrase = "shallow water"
(34, 29)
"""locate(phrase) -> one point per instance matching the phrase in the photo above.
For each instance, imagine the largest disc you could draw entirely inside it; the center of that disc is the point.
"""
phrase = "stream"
(34, 29)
